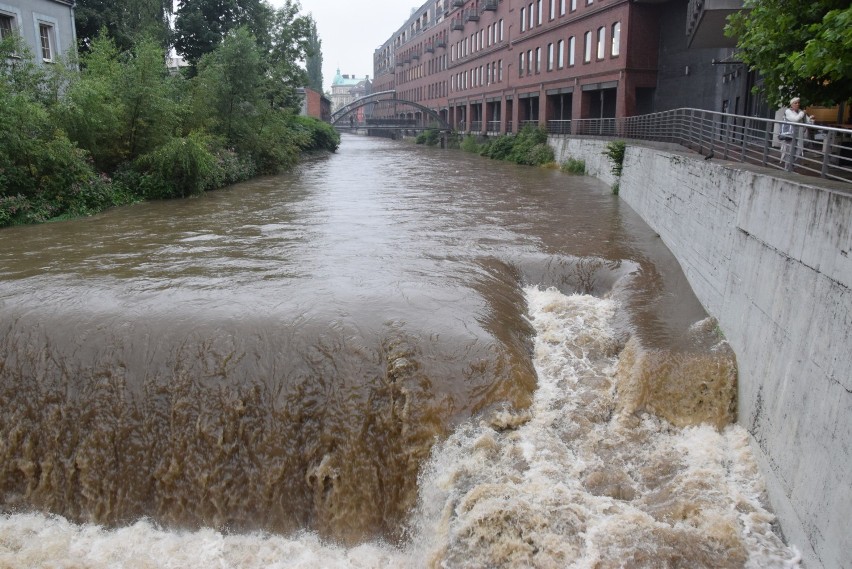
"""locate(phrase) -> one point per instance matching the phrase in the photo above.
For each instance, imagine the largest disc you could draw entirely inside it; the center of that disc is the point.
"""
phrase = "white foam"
(565, 484)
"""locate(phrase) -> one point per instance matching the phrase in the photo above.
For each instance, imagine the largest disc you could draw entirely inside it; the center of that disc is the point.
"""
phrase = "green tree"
(286, 52)
(227, 91)
(39, 165)
(126, 21)
(799, 47)
(201, 25)
(313, 62)
(123, 105)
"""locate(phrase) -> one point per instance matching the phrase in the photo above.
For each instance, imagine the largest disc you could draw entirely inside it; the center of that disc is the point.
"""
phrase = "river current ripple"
(393, 356)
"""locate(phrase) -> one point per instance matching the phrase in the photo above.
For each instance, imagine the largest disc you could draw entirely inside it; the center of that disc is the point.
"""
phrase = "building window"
(587, 47)
(529, 62)
(560, 55)
(601, 42)
(47, 40)
(550, 57)
(520, 65)
(532, 15)
(561, 7)
(572, 48)
(6, 26)
(573, 5)
(539, 10)
(552, 9)
(616, 39)
(523, 19)
(538, 60)
(500, 71)
(501, 29)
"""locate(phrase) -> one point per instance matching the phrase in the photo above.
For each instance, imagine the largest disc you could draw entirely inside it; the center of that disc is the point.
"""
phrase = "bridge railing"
(816, 150)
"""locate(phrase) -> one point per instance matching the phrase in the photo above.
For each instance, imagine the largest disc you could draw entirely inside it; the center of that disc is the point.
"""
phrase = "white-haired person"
(791, 136)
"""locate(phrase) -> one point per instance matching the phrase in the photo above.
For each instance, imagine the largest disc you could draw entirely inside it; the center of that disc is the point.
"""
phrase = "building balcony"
(705, 22)
(471, 16)
(487, 6)
(458, 3)
(429, 47)
(440, 42)
(457, 24)
(415, 56)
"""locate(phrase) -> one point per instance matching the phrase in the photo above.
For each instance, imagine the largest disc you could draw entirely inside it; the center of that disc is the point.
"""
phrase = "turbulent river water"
(393, 356)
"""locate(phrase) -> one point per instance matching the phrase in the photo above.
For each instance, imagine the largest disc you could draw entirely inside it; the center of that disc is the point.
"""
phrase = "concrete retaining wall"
(770, 256)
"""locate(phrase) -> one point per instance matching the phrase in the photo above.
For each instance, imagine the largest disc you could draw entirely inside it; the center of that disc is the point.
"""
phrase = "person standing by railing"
(792, 136)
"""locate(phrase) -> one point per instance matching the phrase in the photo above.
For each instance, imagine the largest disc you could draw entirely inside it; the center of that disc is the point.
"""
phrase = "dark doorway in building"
(602, 104)
(644, 100)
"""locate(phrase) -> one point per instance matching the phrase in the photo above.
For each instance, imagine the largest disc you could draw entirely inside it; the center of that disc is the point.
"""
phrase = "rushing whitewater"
(569, 482)
(391, 357)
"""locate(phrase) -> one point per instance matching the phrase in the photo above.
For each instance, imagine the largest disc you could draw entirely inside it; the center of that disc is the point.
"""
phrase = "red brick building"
(315, 104)
(495, 65)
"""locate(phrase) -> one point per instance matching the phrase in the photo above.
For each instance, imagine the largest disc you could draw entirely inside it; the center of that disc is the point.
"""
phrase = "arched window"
(601, 42)
(616, 39)
(587, 47)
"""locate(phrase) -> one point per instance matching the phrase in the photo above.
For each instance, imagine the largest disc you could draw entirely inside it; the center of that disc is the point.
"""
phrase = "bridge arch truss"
(386, 104)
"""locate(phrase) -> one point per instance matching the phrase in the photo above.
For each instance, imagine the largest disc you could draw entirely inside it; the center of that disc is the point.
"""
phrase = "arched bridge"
(386, 107)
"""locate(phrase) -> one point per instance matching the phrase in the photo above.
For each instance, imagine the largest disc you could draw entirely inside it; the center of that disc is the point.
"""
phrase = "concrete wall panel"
(769, 256)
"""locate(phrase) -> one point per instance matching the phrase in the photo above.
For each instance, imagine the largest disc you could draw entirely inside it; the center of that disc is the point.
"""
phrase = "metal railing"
(815, 150)
(493, 126)
(475, 126)
(559, 127)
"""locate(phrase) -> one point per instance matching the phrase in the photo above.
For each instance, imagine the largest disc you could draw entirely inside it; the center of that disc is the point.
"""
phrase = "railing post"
(827, 144)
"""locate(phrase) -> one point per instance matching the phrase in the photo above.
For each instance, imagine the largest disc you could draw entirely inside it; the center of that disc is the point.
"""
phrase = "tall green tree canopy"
(126, 21)
(800, 47)
(201, 25)
(313, 62)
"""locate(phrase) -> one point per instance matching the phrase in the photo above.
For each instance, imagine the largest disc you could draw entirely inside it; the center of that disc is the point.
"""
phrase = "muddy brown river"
(393, 356)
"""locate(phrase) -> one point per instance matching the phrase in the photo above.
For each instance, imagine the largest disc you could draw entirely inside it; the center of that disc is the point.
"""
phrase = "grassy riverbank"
(116, 128)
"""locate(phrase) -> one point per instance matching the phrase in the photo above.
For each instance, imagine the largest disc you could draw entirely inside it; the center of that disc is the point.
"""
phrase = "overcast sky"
(351, 31)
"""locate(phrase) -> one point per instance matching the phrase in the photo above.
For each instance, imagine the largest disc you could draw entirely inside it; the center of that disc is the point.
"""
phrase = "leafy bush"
(96, 194)
(574, 166)
(184, 166)
(469, 144)
(323, 136)
(524, 143)
(501, 147)
(15, 210)
(540, 154)
(428, 137)
(615, 151)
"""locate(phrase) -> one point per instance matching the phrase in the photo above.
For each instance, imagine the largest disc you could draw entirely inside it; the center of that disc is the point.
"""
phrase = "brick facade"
(493, 65)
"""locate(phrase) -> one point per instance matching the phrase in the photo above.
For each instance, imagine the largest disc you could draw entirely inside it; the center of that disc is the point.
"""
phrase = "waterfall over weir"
(363, 364)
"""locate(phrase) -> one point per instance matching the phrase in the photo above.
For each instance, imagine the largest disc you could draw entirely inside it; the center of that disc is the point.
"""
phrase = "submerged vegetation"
(116, 127)
(615, 152)
(574, 166)
(528, 147)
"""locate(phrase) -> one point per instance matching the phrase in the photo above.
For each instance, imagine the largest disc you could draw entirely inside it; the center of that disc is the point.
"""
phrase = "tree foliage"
(126, 21)
(800, 48)
(119, 128)
(313, 62)
(201, 25)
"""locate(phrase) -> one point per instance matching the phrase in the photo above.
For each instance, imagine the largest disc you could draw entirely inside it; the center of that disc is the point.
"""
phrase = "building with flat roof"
(493, 66)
